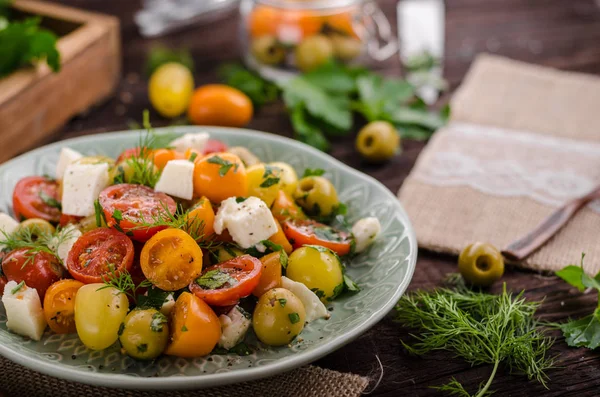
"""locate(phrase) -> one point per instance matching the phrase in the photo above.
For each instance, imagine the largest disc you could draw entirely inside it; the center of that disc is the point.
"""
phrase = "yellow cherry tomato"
(319, 269)
(279, 238)
(264, 181)
(161, 157)
(270, 276)
(278, 317)
(217, 104)
(201, 219)
(219, 176)
(284, 208)
(36, 227)
(289, 178)
(171, 259)
(99, 312)
(195, 328)
(170, 89)
(316, 195)
(144, 334)
(59, 306)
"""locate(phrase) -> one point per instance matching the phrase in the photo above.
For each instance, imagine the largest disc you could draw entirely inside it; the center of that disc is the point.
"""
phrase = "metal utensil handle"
(520, 249)
(383, 33)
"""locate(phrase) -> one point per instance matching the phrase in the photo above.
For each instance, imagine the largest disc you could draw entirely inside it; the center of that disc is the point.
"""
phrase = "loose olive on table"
(481, 264)
(316, 195)
(378, 141)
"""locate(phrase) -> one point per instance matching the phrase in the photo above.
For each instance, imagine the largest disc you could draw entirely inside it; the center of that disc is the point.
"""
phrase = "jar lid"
(310, 4)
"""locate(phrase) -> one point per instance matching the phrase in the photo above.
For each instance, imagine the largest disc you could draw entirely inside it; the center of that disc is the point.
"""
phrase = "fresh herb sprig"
(123, 281)
(143, 171)
(35, 240)
(259, 90)
(481, 328)
(583, 332)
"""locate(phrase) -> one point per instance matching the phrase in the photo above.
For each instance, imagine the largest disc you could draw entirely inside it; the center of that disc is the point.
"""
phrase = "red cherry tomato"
(68, 219)
(214, 146)
(307, 232)
(244, 274)
(39, 270)
(126, 206)
(98, 254)
(36, 197)
(128, 153)
(3, 282)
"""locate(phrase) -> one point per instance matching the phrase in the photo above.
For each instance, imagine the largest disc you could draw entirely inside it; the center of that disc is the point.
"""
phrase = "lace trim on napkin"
(511, 163)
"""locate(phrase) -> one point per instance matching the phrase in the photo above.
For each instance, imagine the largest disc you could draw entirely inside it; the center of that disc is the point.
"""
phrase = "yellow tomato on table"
(170, 89)
(217, 104)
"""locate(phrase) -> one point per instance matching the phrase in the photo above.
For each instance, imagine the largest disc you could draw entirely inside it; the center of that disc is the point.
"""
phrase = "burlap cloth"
(522, 140)
(310, 381)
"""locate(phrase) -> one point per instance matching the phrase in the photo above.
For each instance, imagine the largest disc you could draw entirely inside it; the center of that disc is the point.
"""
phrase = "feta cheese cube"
(65, 242)
(67, 157)
(82, 183)
(195, 141)
(168, 305)
(177, 179)
(313, 306)
(7, 224)
(234, 326)
(249, 222)
(24, 314)
(365, 231)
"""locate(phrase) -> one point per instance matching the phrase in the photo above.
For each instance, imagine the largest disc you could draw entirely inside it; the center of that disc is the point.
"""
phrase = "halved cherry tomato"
(219, 176)
(284, 207)
(135, 204)
(237, 278)
(279, 238)
(68, 219)
(3, 282)
(271, 274)
(59, 306)
(98, 254)
(201, 218)
(128, 153)
(36, 197)
(171, 259)
(310, 232)
(195, 328)
(162, 156)
(39, 270)
(214, 146)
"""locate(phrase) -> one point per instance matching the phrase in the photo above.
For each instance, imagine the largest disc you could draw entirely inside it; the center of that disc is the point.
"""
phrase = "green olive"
(313, 51)
(124, 172)
(378, 141)
(268, 50)
(481, 264)
(36, 227)
(316, 195)
(144, 333)
(278, 317)
(345, 48)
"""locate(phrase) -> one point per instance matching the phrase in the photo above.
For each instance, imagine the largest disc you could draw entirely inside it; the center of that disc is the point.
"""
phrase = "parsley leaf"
(294, 317)
(313, 172)
(158, 322)
(282, 301)
(159, 55)
(226, 165)
(214, 279)
(259, 90)
(154, 298)
(350, 285)
(306, 129)
(17, 288)
(50, 201)
(241, 349)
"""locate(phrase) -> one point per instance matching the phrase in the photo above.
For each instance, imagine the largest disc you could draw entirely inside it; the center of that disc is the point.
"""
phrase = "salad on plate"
(179, 247)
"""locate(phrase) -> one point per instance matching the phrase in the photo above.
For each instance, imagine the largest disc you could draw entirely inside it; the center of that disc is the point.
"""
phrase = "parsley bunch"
(480, 328)
(23, 43)
(584, 332)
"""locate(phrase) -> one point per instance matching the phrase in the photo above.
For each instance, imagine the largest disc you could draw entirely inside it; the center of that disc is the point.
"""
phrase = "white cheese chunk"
(65, 242)
(195, 141)
(168, 305)
(82, 184)
(365, 231)
(313, 306)
(234, 326)
(249, 222)
(24, 314)
(7, 224)
(177, 179)
(67, 157)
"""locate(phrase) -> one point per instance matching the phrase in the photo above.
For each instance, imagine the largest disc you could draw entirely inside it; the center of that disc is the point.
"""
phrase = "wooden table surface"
(558, 33)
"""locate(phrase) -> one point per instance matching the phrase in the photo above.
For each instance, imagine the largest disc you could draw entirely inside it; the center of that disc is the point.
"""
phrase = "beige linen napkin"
(522, 141)
(310, 381)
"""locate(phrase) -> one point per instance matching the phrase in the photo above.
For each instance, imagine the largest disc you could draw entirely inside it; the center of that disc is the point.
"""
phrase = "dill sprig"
(35, 240)
(123, 281)
(479, 327)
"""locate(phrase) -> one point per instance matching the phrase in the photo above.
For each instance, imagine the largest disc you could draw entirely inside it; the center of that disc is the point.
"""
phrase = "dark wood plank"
(558, 33)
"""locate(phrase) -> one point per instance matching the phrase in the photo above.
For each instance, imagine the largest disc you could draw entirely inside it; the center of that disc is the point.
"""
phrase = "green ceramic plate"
(383, 272)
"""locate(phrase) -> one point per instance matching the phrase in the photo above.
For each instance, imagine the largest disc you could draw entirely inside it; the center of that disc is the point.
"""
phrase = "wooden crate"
(35, 102)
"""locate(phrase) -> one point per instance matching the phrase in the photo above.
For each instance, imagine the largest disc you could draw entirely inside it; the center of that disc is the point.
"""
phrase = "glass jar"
(280, 37)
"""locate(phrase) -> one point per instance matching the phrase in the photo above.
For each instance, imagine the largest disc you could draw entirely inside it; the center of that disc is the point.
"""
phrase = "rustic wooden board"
(35, 102)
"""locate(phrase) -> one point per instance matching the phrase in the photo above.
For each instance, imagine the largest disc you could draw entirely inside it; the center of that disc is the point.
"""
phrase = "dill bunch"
(35, 240)
(481, 328)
